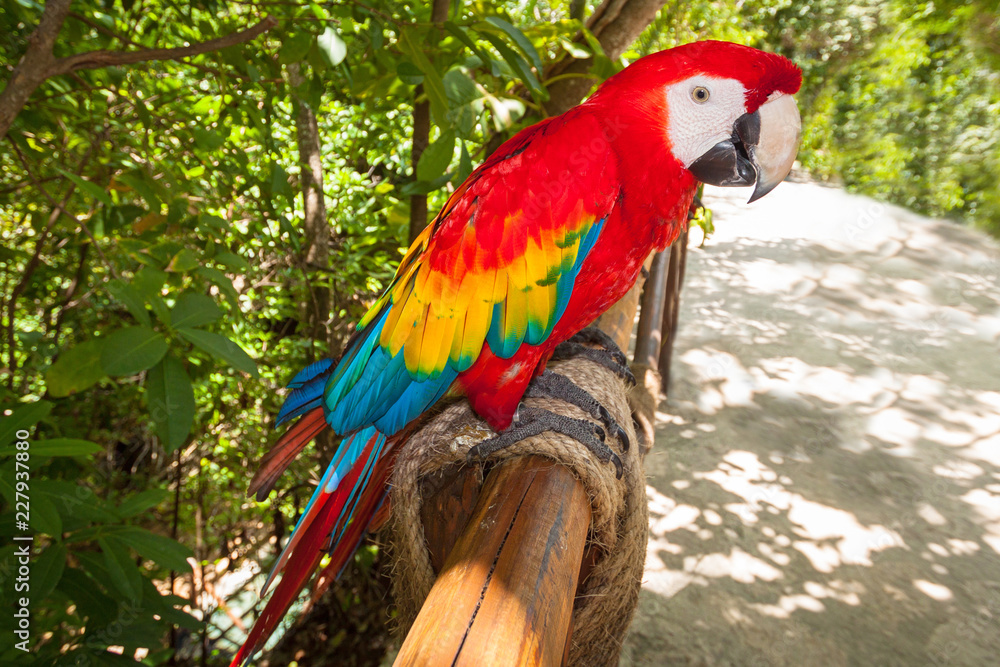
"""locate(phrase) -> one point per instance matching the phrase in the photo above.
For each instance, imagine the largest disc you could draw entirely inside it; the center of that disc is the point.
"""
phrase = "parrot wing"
(497, 266)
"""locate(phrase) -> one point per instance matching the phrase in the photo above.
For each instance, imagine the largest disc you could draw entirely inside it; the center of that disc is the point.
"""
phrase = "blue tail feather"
(308, 387)
(310, 372)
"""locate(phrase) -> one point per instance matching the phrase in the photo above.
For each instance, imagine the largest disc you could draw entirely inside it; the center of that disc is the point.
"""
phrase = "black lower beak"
(760, 152)
(729, 162)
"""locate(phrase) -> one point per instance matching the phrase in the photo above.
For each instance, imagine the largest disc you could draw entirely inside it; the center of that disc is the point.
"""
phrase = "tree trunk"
(318, 233)
(421, 139)
(616, 24)
(421, 136)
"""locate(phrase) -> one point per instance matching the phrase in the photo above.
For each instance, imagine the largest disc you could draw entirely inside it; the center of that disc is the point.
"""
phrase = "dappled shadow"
(825, 486)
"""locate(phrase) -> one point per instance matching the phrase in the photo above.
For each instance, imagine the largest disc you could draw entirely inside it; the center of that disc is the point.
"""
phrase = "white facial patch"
(695, 126)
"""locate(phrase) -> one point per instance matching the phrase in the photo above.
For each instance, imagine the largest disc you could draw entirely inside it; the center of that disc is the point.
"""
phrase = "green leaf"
(74, 501)
(319, 12)
(436, 157)
(332, 45)
(164, 551)
(141, 502)
(91, 602)
(119, 217)
(210, 140)
(194, 310)
(459, 32)
(574, 49)
(130, 297)
(459, 88)
(206, 106)
(519, 65)
(91, 189)
(279, 177)
(523, 43)
(45, 517)
(23, 418)
(603, 66)
(294, 47)
(433, 85)
(163, 606)
(223, 348)
(231, 260)
(76, 369)
(65, 447)
(225, 285)
(131, 350)
(47, 570)
(121, 569)
(137, 180)
(183, 261)
(170, 401)
(505, 111)
(149, 281)
(409, 73)
(93, 563)
(464, 166)
(159, 307)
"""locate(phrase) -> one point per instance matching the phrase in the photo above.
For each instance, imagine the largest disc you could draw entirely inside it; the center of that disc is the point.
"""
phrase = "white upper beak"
(774, 154)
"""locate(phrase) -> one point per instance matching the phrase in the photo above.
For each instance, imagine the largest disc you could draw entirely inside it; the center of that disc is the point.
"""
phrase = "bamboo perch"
(505, 593)
(509, 555)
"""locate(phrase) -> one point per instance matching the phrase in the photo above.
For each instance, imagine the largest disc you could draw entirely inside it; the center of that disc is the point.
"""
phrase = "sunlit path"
(825, 486)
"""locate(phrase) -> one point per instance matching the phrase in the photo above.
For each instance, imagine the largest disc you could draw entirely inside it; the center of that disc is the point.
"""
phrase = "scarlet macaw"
(543, 237)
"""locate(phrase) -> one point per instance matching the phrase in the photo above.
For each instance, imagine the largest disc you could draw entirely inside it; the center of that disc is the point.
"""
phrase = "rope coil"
(608, 597)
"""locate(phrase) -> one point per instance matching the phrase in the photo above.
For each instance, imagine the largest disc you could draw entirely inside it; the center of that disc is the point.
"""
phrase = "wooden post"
(672, 305)
(649, 337)
(618, 321)
(505, 593)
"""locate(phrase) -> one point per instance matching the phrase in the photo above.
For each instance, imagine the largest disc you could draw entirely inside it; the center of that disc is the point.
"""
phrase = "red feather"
(287, 448)
(307, 555)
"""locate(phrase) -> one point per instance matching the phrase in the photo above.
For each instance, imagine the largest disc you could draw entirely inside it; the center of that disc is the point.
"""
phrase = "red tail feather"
(364, 515)
(287, 448)
(309, 551)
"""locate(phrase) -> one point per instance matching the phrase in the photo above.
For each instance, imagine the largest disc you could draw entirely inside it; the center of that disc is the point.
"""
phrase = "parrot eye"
(700, 94)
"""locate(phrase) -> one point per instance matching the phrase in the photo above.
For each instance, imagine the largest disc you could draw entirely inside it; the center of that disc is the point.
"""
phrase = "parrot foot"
(553, 385)
(535, 421)
(607, 353)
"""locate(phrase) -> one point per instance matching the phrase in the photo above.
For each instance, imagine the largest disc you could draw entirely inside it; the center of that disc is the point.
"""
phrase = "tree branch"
(98, 59)
(39, 64)
(30, 72)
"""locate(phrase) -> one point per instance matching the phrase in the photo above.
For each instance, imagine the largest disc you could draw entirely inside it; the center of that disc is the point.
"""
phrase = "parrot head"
(723, 111)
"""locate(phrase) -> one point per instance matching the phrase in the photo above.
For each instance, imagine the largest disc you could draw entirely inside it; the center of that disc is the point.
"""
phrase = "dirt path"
(825, 487)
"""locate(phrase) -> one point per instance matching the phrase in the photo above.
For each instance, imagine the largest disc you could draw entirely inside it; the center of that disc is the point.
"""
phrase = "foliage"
(153, 270)
(900, 101)
(154, 278)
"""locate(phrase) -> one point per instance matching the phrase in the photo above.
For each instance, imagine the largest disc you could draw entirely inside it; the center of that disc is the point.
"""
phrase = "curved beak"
(760, 151)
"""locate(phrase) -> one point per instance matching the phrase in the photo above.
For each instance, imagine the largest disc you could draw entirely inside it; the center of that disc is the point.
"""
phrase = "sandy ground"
(825, 486)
